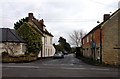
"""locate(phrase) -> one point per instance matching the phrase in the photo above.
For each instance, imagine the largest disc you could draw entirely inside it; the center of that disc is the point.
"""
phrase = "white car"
(58, 55)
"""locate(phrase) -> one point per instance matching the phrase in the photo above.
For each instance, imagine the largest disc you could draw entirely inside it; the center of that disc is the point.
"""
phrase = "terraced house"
(102, 43)
(47, 47)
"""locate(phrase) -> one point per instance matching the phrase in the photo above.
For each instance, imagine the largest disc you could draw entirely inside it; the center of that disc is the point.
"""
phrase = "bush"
(4, 54)
(18, 59)
(32, 54)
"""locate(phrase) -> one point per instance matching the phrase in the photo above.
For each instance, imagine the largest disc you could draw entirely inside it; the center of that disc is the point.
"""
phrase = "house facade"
(47, 47)
(102, 42)
(91, 44)
(10, 42)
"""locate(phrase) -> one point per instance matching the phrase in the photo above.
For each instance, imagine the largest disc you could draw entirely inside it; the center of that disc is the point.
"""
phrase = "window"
(51, 51)
(87, 39)
(50, 40)
(46, 51)
(45, 40)
(87, 49)
(91, 37)
(83, 41)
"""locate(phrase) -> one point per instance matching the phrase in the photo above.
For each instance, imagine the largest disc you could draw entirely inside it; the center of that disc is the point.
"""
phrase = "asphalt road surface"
(66, 67)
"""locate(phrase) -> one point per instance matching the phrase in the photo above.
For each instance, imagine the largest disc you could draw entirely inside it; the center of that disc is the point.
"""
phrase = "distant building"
(47, 47)
(102, 43)
(10, 42)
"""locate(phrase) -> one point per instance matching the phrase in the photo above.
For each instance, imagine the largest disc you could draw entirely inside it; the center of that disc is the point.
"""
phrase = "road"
(66, 67)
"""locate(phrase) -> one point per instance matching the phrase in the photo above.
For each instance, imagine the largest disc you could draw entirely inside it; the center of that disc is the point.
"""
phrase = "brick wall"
(93, 36)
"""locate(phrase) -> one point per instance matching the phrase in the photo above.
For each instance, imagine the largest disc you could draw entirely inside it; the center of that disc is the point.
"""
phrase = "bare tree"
(76, 36)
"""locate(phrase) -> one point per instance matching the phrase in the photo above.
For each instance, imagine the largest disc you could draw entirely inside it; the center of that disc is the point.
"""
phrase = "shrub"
(18, 59)
(4, 54)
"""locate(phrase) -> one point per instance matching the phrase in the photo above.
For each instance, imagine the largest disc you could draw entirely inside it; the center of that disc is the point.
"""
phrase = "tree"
(76, 37)
(31, 36)
(67, 47)
(62, 40)
(20, 22)
(64, 45)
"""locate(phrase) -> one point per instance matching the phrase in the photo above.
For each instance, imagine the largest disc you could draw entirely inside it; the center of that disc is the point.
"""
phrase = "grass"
(96, 63)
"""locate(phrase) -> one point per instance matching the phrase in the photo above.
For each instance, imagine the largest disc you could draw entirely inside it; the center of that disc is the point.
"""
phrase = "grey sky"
(61, 16)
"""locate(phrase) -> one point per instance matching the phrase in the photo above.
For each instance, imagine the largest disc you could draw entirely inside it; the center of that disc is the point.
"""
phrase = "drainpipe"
(100, 45)
(44, 47)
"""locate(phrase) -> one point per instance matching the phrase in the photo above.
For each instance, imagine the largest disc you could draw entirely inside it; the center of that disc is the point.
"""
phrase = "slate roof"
(40, 26)
(9, 35)
(98, 26)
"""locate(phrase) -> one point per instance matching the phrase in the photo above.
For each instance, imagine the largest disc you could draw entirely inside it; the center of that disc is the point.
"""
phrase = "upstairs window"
(45, 40)
(83, 41)
(91, 37)
(87, 39)
(50, 40)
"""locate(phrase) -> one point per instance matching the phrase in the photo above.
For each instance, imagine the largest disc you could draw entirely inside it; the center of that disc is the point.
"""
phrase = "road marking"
(37, 67)
(22, 66)
(59, 64)
(74, 68)
(98, 69)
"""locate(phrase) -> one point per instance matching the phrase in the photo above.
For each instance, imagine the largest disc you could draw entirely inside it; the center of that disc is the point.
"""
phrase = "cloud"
(61, 16)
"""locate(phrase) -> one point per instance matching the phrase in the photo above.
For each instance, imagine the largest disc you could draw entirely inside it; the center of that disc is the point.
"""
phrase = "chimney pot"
(30, 16)
(106, 17)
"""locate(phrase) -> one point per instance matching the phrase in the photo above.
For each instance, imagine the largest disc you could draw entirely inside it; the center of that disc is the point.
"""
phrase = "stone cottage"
(10, 42)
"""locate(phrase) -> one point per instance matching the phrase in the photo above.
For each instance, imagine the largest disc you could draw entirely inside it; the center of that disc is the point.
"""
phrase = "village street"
(69, 66)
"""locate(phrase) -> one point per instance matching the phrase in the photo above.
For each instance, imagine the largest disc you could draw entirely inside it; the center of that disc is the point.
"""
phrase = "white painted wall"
(18, 48)
(47, 47)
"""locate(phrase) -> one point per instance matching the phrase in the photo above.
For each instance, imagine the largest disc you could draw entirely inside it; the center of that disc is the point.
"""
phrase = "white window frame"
(87, 39)
(50, 40)
(45, 40)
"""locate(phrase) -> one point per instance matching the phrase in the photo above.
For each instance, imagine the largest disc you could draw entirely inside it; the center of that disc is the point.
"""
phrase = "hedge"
(18, 59)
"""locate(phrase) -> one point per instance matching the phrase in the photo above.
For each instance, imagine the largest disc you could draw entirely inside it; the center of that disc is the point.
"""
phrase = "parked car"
(58, 55)
(65, 52)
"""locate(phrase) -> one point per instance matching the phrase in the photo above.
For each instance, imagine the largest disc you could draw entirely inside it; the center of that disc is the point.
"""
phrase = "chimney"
(106, 17)
(30, 17)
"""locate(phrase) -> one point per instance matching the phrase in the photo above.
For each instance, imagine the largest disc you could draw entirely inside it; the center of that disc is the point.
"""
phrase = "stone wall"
(110, 42)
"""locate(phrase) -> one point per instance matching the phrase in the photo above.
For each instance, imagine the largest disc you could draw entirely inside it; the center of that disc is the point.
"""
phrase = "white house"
(10, 42)
(47, 47)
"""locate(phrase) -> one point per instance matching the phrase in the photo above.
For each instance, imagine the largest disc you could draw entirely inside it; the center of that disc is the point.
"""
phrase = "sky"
(61, 17)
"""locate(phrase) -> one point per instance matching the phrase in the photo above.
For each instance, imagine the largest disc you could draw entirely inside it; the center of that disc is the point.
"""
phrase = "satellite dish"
(98, 21)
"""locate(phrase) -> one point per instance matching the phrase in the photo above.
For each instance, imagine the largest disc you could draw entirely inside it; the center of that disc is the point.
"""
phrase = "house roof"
(48, 33)
(40, 25)
(99, 26)
(10, 35)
